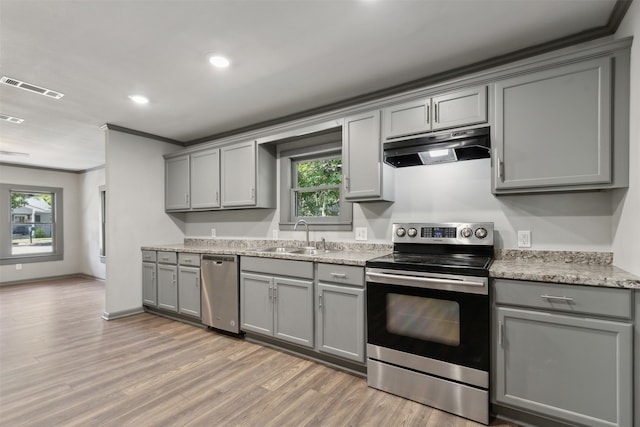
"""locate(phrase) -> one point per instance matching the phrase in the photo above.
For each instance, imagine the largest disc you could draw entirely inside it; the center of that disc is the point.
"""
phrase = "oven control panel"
(457, 233)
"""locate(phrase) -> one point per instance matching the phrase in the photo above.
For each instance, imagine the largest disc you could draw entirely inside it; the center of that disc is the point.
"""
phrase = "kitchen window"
(33, 224)
(311, 184)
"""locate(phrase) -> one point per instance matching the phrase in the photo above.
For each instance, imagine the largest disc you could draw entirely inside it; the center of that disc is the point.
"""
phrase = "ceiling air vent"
(30, 87)
(16, 120)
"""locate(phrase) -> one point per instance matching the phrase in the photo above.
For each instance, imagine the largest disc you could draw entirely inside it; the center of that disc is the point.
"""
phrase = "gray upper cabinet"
(176, 186)
(205, 179)
(456, 109)
(248, 175)
(366, 177)
(553, 128)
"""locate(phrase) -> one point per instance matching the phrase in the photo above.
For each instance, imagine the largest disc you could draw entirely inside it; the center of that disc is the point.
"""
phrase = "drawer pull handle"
(339, 275)
(556, 298)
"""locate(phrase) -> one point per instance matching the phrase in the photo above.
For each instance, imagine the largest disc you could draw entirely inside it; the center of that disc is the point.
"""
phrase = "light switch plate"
(275, 234)
(361, 233)
(524, 238)
(213, 232)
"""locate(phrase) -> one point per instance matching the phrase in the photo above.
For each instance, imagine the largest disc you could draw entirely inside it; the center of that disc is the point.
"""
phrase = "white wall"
(69, 182)
(626, 221)
(90, 206)
(135, 214)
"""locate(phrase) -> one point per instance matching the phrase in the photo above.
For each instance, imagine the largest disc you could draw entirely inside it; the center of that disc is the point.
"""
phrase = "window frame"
(6, 232)
(329, 146)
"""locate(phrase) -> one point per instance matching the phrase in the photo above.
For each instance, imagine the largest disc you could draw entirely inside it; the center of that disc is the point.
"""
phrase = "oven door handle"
(422, 282)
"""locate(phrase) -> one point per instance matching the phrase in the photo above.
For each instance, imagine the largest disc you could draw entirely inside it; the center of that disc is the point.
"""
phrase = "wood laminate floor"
(61, 364)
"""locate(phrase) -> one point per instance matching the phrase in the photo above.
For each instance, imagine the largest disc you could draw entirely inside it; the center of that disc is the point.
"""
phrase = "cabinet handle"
(174, 279)
(253, 193)
(346, 183)
(270, 293)
(320, 301)
(499, 167)
(428, 113)
(275, 293)
(186, 198)
(556, 298)
(339, 275)
(501, 334)
(435, 108)
(217, 197)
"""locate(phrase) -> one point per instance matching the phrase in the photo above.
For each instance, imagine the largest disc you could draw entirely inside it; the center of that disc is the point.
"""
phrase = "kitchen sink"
(293, 250)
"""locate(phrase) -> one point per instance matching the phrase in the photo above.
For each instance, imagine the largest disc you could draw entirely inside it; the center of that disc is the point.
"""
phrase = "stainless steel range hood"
(443, 147)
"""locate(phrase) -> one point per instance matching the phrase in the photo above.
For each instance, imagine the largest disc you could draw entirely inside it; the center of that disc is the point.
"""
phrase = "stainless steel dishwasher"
(220, 293)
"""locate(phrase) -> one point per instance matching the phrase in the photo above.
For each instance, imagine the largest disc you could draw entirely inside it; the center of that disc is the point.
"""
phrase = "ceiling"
(287, 56)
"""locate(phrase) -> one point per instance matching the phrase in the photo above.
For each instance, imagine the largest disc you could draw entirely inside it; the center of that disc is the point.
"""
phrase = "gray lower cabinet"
(559, 362)
(189, 291)
(365, 176)
(555, 128)
(276, 305)
(340, 304)
(167, 278)
(149, 286)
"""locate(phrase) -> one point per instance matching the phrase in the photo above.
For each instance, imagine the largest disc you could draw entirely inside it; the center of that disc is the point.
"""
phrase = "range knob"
(412, 232)
(466, 232)
(481, 233)
(400, 232)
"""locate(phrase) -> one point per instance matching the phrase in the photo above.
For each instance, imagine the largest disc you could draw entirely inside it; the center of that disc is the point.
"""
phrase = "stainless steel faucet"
(306, 226)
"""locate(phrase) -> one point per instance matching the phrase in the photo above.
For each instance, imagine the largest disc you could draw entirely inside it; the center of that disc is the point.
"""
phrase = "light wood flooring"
(61, 364)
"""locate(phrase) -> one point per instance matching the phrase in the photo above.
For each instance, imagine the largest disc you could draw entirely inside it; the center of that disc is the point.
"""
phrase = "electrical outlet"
(275, 234)
(213, 232)
(524, 238)
(361, 233)
(18, 266)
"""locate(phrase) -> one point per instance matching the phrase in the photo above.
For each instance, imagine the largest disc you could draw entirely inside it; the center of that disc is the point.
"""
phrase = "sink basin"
(278, 250)
(311, 251)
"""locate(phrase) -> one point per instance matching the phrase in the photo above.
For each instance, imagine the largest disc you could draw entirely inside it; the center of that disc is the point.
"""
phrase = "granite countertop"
(573, 268)
(340, 253)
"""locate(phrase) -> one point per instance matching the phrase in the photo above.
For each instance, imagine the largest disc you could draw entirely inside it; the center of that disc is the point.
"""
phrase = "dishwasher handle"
(219, 258)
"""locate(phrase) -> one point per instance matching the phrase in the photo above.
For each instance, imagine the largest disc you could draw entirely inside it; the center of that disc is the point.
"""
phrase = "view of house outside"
(31, 223)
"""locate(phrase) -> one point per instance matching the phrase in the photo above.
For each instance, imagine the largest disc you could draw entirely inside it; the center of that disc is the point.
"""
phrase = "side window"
(34, 224)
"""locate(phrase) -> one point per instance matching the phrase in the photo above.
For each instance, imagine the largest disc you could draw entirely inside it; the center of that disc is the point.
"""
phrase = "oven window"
(430, 319)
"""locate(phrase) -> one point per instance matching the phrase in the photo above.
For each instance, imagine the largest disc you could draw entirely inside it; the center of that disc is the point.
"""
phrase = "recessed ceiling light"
(219, 61)
(139, 99)
(12, 119)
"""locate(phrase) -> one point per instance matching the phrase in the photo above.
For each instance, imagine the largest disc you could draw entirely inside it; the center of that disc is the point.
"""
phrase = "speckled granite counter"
(574, 268)
(341, 252)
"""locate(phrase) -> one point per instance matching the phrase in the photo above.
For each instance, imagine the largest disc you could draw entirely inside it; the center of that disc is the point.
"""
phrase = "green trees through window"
(317, 187)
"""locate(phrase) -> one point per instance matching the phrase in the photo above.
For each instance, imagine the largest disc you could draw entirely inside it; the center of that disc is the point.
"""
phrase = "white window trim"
(57, 254)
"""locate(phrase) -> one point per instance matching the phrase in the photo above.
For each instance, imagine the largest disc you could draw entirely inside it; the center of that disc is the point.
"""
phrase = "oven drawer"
(344, 274)
(565, 298)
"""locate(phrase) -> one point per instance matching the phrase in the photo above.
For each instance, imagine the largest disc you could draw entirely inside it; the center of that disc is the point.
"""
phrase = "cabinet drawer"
(189, 259)
(565, 298)
(149, 256)
(345, 274)
(277, 267)
(166, 257)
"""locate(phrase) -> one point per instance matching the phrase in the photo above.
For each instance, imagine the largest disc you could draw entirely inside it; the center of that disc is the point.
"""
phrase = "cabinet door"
(463, 108)
(168, 287)
(553, 127)
(256, 303)
(362, 156)
(189, 291)
(205, 179)
(293, 317)
(574, 368)
(341, 321)
(176, 185)
(239, 174)
(407, 119)
(149, 290)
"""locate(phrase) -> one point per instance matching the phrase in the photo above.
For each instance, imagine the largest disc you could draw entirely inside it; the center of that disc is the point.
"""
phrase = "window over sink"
(311, 183)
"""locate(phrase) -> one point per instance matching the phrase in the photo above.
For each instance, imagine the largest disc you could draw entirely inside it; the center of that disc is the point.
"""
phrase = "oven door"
(436, 316)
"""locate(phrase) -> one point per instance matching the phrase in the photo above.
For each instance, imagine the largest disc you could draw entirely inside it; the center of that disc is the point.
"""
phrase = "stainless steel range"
(428, 317)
